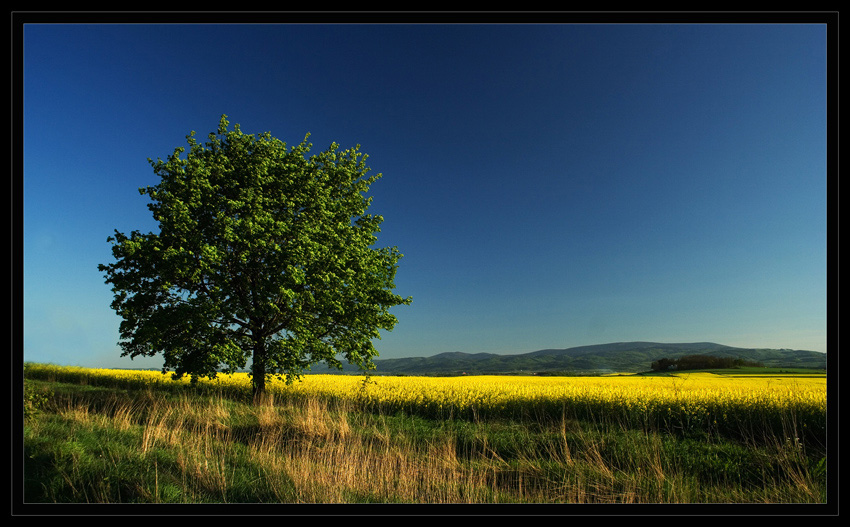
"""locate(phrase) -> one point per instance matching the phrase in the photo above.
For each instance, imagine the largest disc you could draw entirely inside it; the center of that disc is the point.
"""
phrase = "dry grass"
(316, 450)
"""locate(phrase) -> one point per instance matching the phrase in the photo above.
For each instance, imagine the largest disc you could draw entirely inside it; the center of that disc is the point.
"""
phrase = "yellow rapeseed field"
(703, 401)
(686, 400)
(698, 400)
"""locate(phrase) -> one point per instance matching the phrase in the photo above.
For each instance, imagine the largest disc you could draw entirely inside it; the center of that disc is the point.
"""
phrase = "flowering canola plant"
(686, 400)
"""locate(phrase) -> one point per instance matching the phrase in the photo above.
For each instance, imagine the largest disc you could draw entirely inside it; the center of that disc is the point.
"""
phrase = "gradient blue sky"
(549, 185)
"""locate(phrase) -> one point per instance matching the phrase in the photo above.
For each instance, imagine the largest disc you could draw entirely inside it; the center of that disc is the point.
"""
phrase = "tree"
(662, 364)
(262, 253)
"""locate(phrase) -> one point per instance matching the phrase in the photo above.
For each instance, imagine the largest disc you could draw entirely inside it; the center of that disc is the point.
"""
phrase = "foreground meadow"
(138, 436)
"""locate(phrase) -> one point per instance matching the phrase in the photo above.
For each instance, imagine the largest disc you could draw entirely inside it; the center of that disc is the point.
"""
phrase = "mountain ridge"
(633, 356)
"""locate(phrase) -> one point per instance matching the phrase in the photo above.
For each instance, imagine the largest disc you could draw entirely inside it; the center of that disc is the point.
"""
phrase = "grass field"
(730, 436)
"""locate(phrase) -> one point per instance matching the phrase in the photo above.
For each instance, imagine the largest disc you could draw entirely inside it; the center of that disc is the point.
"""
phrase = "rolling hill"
(612, 357)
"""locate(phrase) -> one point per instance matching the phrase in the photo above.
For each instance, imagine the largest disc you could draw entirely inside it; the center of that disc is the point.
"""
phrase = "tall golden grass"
(311, 442)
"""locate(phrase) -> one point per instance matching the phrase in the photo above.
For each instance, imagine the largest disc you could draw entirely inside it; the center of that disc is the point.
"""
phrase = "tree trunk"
(258, 372)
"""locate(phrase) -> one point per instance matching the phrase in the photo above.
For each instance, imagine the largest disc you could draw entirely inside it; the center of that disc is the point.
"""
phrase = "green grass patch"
(95, 443)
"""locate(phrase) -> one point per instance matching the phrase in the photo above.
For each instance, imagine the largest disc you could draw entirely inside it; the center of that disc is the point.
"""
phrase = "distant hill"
(614, 357)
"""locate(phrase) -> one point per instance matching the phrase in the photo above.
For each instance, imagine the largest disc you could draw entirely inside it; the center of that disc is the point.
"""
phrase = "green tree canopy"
(263, 253)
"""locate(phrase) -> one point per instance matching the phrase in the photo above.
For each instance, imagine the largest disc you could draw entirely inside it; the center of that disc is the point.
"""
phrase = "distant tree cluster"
(701, 362)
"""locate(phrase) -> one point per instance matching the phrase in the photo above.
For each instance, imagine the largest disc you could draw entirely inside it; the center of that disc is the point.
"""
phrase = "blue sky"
(550, 185)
